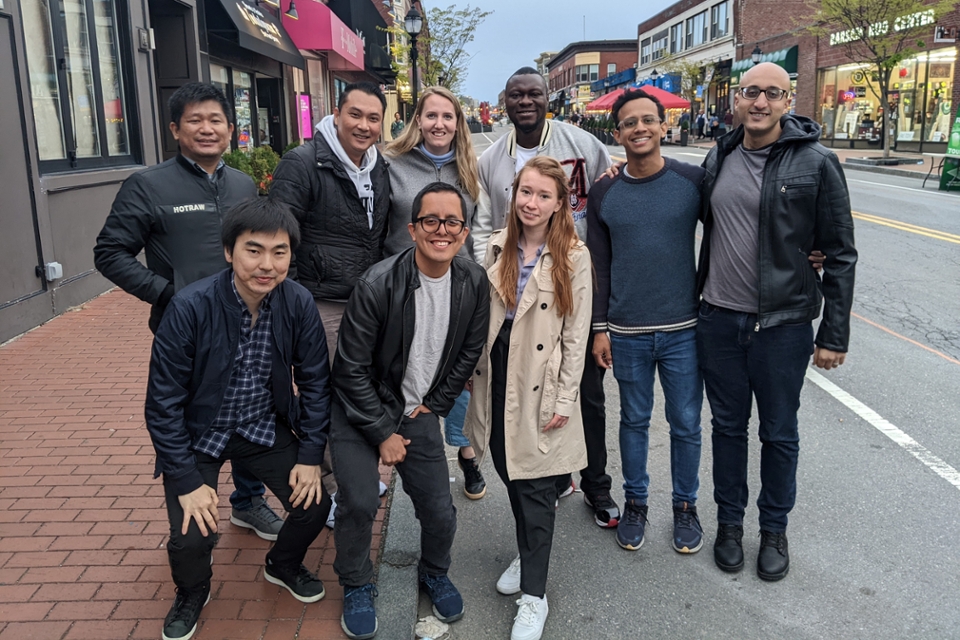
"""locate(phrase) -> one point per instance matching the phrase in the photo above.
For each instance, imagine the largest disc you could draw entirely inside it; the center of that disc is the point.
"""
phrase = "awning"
(668, 100)
(604, 102)
(318, 29)
(261, 32)
(786, 58)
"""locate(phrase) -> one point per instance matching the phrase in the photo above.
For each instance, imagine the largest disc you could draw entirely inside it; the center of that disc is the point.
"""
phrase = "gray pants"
(426, 480)
(330, 314)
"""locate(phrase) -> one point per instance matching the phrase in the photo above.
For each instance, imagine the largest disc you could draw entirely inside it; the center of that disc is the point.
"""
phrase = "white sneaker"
(509, 582)
(531, 616)
(333, 511)
(383, 489)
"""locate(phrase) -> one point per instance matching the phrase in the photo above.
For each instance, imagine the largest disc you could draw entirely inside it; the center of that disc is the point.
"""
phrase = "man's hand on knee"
(305, 482)
(201, 505)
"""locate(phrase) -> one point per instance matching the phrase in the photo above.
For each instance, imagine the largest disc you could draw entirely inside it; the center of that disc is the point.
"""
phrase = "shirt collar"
(210, 176)
(264, 304)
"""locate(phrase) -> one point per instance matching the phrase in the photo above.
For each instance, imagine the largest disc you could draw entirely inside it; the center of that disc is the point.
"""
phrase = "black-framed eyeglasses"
(431, 224)
(631, 123)
(773, 94)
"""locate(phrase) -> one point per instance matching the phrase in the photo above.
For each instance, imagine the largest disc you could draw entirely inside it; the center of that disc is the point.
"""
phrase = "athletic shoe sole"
(687, 549)
(359, 636)
(281, 583)
(629, 547)
(272, 537)
(189, 633)
(474, 496)
(609, 524)
(452, 618)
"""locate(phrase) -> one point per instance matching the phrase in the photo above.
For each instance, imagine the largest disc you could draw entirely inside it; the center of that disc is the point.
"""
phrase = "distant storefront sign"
(786, 58)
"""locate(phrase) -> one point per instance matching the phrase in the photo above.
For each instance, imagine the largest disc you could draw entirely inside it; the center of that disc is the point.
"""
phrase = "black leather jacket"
(337, 244)
(804, 204)
(375, 336)
(192, 360)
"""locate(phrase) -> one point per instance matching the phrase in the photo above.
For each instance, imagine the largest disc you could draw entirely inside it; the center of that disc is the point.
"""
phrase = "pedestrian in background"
(172, 212)
(539, 327)
(437, 147)
(770, 192)
(584, 159)
(396, 127)
(701, 121)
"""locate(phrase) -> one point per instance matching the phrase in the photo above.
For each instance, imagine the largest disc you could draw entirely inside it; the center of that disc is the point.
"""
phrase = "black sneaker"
(304, 586)
(447, 602)
(687, 532)
(474, 486)
(606, 513)
(773, 562)
(631, 525)
(181, 622)
(728, 548)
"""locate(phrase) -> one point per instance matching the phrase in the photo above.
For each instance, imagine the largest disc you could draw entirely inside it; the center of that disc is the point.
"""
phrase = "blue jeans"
(740, 363)
(248, 487)
(635, 360)
(453, 423)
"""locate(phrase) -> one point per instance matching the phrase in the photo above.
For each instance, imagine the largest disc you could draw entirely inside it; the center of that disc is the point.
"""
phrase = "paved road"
(873, 532)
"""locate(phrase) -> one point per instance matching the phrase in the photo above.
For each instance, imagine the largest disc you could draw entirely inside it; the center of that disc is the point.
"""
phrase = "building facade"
(701, 34)
(580, 64)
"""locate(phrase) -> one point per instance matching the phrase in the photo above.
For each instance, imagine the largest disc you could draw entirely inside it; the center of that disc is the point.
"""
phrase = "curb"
(397, 580)
(903, 173)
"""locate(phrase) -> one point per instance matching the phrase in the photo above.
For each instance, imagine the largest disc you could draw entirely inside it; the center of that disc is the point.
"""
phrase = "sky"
(519, 30)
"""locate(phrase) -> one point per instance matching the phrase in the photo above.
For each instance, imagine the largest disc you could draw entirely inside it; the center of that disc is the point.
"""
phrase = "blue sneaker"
(631, 525)
(447, 603)
(359, 619)
(687, 532)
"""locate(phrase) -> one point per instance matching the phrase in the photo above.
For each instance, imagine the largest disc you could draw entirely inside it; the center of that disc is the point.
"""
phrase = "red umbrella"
(603, 103)
(667, 99)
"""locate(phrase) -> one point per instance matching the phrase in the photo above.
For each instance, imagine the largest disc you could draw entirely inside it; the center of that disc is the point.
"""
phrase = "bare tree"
(880, 32)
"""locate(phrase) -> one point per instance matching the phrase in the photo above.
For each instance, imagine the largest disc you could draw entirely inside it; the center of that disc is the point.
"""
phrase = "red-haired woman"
(525, 408)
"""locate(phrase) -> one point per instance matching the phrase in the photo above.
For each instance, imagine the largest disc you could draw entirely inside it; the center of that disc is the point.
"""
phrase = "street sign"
(950, 173)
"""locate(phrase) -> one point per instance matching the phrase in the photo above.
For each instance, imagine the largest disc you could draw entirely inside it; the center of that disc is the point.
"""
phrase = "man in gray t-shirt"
(412, 333)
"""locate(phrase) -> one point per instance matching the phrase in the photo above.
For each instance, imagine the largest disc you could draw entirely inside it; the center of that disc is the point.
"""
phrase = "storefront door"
(270, 113)
(18, 242)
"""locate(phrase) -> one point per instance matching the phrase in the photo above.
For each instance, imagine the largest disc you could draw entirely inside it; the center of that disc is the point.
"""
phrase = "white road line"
(902, 188)
(488, 138)
(916, 449)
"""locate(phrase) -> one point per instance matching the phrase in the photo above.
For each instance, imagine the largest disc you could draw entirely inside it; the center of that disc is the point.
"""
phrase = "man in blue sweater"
(641, 236)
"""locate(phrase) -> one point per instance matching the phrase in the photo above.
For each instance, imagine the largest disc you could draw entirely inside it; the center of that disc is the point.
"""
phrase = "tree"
(691, 72)
(880, 32)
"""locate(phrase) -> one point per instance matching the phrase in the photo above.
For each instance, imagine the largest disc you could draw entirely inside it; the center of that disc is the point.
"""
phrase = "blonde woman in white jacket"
(525, 407)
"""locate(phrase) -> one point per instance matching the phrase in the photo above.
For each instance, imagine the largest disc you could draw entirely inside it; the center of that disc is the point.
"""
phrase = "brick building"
(838, 92)
(579, 64)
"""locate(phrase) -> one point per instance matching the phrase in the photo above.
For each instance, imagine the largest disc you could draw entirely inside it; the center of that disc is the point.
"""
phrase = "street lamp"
(413, 23)
(654, 75)
(756, 54)
(292, 11)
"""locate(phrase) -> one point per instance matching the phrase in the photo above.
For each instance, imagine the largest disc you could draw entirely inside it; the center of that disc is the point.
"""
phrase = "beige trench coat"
(543, 371)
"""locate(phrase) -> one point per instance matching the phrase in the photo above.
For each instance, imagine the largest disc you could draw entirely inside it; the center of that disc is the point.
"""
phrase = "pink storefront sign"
(306, 121)
(318, 29)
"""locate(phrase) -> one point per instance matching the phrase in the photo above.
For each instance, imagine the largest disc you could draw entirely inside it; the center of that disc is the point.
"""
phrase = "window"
(79, 65)
(594, 72)
(587, 72)
(661, 41)
(718, 21)
(611, 69)
(645, 52)
(676, 38)
(696, 30)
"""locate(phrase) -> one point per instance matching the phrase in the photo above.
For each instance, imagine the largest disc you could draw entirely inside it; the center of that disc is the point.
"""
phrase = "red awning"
(667, 99)
(604, 102)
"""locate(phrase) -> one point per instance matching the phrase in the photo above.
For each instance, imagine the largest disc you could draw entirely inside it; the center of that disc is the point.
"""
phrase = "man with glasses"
(642, 226)
(771, 193)
(412, 333)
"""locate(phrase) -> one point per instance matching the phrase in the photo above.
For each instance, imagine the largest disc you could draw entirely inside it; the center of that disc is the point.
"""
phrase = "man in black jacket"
(225, 358)
(172, 212)
(412, 333)
(771, 193)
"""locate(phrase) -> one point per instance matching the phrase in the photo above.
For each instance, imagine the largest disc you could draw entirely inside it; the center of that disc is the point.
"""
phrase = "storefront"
(920, 93)
(248, 48)
(332, 52)
(786, 58)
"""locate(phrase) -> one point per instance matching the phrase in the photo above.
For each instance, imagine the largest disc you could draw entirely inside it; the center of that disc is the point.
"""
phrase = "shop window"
(78, 62)
(242, 87)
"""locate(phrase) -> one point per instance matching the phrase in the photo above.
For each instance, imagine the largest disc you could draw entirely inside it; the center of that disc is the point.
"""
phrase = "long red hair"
(561, 239)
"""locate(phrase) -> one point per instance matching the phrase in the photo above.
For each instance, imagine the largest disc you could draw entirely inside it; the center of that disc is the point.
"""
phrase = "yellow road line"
(910, 228)
(913, 342)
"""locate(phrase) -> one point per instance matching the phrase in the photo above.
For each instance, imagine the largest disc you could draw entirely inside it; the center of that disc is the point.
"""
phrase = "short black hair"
(365, 87)
(259, 215)
(192, 93)
(436, 187)
(526, 71)
(636, 94)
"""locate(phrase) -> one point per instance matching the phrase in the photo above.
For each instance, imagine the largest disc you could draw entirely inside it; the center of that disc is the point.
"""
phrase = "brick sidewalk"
(82, 521)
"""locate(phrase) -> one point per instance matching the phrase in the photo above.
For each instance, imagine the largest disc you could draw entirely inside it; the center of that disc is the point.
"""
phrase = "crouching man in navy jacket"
(225, 358)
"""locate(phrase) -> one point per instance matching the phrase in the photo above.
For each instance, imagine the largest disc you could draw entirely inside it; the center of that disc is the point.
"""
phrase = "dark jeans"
(189, 555)
(593, 478)
(533, 500)
(248, 487)
(426, 479)
(739, 362)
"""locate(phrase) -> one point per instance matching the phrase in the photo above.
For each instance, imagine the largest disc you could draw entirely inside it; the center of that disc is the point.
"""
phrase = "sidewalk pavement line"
(397, 585)
(887, 428)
